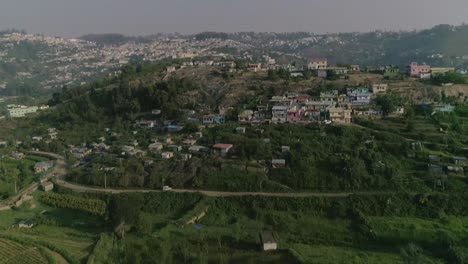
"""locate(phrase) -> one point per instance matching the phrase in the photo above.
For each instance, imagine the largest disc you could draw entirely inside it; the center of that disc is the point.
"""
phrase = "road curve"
(60, 171)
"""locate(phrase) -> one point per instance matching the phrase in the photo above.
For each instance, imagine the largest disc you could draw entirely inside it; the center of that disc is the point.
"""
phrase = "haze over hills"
(32, 64)
(216, 147)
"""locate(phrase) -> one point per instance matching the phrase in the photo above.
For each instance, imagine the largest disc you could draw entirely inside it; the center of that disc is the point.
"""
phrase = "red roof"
(222, 146)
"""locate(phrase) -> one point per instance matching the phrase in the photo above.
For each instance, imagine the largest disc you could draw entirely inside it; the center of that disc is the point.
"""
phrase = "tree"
(190, 127)
(388, 103)
(413, 254)
(449, 77)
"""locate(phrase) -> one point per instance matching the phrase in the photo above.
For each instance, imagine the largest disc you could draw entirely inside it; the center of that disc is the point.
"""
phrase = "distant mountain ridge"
(113, 39)
(444, 45)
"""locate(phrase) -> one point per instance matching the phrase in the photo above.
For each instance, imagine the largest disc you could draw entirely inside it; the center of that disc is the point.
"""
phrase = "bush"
(92, 206)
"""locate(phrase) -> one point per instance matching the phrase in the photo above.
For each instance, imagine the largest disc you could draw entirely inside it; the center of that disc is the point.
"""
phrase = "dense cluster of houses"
(327, 107)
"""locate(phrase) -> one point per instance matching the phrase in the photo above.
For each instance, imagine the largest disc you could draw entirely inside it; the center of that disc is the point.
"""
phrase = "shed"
(26, 223)
(459, 160)
(197, 149)
(268, 241)
(47, 186)
(455, 170)
(167, 155)
(434, 158)
(240, 130)
(185, 156)
(278, 163)
(175, 148)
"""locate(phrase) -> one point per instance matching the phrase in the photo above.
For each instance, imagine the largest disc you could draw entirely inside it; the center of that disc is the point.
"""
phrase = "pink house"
(416, 70)
(295, 115)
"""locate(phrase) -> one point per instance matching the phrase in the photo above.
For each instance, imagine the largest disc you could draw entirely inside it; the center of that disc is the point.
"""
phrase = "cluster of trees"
(124, 97)
(129, 209)
(389, 102)
(91, 206)
(449, 77)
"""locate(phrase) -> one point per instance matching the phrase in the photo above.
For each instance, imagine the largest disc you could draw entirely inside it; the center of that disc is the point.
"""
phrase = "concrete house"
(145, 124)
(20, 110)
(459, 160)
(17, 155)
(197, 149)
(359, 96)
(214, 119)
(455, 170)
(279, 101)
(167, 155)
(175, 148)
(278, 163)
(101, 147)
(240, 130)
(255, 67)
(444, 108)
(36, 138)
(391, 72)
(295, 114)
(189, 142)
(434, 158)
(379, 88)
(80, 153)
(245, 116)
(43, 166)
(47, 186)
(329, 96)
(222, 149)
(155, 147)
(302, 99)
(279, 114)
(416, 70)
(317, 64)
(354, 68)
(185, 156)
(441, 70)
(340, 115)
(322, 73)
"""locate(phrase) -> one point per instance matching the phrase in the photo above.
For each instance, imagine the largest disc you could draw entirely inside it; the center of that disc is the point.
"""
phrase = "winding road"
(82, 188)
(60, 170)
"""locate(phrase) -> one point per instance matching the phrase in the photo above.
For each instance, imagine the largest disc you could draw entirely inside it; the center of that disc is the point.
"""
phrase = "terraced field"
(12, 253)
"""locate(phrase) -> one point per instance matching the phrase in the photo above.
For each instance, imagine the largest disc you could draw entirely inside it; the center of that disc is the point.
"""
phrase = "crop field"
(63, 233)
(12, 253)
(320, 254)
(424, 231)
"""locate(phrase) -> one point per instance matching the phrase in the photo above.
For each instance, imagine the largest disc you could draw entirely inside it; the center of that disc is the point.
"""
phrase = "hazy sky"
(139, 17)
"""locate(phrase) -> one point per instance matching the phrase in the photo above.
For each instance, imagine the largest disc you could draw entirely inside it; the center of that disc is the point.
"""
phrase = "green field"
(430, 232)
(319, 254)
(66, 233)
